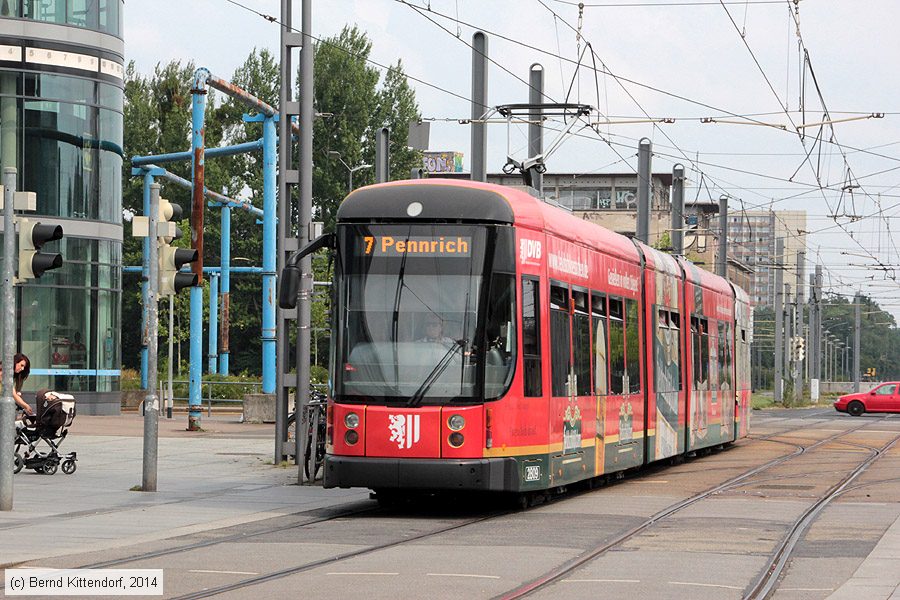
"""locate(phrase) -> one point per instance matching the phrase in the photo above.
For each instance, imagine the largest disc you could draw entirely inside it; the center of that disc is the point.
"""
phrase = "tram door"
(570, 379)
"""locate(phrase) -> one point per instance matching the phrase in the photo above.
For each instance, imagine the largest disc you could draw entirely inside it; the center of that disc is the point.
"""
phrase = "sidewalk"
(879, 574)
(219, 477)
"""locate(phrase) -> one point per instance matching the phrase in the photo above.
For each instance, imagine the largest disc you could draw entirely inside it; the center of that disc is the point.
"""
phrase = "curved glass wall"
(64, 135)
(69, 143)
(69, 318)
(97, 15)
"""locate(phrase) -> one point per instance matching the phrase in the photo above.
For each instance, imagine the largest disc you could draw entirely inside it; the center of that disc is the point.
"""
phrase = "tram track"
(585, 557)
(307, 566)
(767, 583)
(518, 592)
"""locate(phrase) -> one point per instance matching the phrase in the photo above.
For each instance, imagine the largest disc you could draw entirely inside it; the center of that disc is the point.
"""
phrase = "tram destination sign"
(454, 246)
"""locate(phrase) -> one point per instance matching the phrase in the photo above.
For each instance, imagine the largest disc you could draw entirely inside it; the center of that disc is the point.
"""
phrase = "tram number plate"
(532, 472)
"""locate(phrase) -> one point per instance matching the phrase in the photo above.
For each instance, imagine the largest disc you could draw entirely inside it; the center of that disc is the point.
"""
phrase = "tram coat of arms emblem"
(404, 430)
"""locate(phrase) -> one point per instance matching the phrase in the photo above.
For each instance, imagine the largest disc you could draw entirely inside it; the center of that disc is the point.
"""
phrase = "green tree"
(351, 106)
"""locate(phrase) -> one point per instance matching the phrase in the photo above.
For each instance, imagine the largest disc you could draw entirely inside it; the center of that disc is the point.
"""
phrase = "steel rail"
(585, 557)
(768, 581)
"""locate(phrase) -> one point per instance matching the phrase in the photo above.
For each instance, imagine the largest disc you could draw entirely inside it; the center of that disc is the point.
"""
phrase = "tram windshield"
(421, 317)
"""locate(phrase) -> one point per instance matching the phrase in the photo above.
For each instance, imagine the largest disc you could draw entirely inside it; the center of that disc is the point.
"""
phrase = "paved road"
(226, 521)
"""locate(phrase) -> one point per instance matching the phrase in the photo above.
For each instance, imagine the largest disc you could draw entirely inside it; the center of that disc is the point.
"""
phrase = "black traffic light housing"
(32, 236)
(171, 259)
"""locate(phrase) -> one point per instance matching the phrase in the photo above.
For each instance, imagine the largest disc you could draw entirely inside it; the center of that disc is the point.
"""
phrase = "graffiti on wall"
(442, 162)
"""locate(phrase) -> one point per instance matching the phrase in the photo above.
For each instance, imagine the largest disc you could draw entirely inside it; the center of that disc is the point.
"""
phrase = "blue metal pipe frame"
(140, 161)
(270, 162)
(225, 288)
(213, 322)
(198, 146)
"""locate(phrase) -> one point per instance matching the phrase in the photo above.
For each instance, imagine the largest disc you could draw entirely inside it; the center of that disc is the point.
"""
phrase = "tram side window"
(725, 361)
(666, 352)
(696, 356)
(500, 333)
(581, 342)
(560, 342)
(616, 346)
(632, 346)
(703, 382)
(599, 357)
(531, 337)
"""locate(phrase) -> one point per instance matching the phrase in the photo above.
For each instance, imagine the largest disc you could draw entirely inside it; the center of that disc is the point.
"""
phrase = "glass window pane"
(531, 337)
(60, 146)
(616, 347)
(52, 11)
(9, 8)
(84, 13)
(60, 87)
(632, 346)
(109, 17)
(112, 96)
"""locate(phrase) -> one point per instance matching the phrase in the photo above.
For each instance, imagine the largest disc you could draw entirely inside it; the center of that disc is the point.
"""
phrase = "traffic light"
(32, 236)
(171, 259)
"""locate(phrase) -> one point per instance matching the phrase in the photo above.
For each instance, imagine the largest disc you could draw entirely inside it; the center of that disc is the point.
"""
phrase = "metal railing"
(208, 395)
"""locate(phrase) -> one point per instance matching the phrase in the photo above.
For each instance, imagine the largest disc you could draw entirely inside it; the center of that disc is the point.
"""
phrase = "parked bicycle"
(316, 415)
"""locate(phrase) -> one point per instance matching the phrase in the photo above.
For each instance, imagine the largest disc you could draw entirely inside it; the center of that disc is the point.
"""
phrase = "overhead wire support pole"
(479, 106)
(677, 236)
(307, 52)
(779, 321)
(645, 150)
(722, 255)
(535, 125)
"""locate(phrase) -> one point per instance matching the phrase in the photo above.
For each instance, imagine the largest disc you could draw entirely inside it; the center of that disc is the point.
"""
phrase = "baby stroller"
(55, 413)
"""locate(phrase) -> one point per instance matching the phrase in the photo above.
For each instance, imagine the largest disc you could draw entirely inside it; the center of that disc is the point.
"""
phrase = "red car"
(884, 398)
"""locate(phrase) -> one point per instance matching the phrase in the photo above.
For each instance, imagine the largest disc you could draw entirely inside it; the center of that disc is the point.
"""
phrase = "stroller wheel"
(18, 463)
(50, 467)
(69, 466)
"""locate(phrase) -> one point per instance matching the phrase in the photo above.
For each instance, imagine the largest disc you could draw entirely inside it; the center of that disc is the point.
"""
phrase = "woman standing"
(22, 370)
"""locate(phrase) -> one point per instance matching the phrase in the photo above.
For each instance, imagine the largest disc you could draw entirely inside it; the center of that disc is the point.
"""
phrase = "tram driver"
(433, 331)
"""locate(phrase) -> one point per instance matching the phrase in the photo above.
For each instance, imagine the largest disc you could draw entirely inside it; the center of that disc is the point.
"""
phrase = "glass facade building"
(61, 120)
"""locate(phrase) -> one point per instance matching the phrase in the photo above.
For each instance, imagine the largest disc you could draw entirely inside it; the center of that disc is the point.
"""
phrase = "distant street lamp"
(350, 170)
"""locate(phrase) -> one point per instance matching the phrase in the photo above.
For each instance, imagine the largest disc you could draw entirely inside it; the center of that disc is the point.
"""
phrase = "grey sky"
(697, 55)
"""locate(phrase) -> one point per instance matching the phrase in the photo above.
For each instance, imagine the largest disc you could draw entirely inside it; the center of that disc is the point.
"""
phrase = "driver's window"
(886, 390)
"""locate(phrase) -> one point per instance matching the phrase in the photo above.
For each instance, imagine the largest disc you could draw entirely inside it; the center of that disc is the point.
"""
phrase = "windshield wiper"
(436, 372)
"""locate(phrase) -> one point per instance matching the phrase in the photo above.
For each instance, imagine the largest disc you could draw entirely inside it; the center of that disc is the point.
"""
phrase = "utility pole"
(799, 332)
(788, 333)
(677, 236)
(479, 106)
(722, 255)
(536, 123)
(7, 403)
(642, 232)
(779, 320)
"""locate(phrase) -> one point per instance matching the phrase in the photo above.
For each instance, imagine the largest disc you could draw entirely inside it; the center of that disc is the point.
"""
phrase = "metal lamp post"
(350, 170)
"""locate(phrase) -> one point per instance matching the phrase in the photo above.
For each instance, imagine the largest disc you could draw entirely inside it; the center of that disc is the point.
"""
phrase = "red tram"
(485, 340)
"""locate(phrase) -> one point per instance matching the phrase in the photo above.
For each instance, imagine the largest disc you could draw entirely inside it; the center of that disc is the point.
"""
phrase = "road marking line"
(222, 572)
(361, 573)
(601, 580)
(463, 575)
(727, 587)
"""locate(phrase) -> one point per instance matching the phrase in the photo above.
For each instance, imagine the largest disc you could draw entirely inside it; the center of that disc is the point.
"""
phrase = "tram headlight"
(456, 422)
(351, 420)
(456, 439)
(351, 437)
